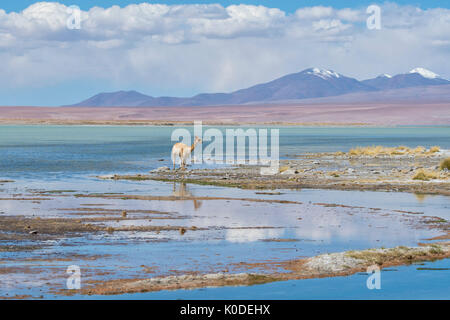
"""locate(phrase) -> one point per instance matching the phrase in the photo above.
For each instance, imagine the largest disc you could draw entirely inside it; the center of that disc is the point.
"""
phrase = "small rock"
(288, 171)
(161, 169)
(182, 231)
(214, 276)
(107, 177)
(124, 214)
(33, 232)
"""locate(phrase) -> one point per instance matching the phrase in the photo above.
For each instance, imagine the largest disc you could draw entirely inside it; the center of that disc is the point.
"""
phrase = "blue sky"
(219, 47)
(285, 5)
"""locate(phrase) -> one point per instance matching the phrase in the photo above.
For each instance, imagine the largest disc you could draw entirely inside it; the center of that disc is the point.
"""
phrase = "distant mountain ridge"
(415, 78)
(307, 84)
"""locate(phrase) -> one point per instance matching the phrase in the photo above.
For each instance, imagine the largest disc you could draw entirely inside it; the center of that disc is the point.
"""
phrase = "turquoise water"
(62, 151)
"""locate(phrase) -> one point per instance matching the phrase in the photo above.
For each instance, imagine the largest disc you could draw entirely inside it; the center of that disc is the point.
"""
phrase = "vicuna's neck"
(193, 146)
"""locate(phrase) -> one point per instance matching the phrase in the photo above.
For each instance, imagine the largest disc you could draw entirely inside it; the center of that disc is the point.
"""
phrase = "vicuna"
(183, 151)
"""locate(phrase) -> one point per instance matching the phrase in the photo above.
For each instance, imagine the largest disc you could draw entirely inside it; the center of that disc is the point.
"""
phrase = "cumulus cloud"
(177, 49)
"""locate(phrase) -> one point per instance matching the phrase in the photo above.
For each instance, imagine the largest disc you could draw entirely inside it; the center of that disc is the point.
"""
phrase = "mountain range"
(312, 83)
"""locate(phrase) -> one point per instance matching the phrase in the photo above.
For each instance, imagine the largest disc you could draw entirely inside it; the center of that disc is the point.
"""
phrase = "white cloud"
(191, 48)
(318, 12)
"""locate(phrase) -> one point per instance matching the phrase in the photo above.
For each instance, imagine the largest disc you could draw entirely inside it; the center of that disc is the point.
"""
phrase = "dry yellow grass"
(283, 169)
(445, 164)
(392, 151)
(426, 175)
(381, 256)
(419, 149)
(434, 149)
(335, 174)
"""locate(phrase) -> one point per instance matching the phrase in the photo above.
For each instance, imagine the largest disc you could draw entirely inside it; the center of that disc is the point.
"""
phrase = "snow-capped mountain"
(322, 73)
(425, 73)
(307, 84)
(416, 77)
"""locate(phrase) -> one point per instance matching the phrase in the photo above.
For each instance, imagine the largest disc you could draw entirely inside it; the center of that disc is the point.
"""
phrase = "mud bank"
(339, 171)
(325, 265)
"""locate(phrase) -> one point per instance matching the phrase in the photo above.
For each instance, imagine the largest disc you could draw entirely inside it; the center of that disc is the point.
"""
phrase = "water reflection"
(183, 191)
(420, 197)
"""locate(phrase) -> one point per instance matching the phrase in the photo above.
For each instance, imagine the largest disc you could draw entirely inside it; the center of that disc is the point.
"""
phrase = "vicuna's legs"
(183, 162)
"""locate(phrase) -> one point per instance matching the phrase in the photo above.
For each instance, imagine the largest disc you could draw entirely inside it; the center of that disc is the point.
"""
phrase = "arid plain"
(379, 113)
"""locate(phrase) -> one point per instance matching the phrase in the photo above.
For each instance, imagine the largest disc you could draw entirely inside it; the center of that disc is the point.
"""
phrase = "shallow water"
(231, 230)
(405, 282)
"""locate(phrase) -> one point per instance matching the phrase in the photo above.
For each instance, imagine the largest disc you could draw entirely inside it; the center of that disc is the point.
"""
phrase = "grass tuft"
(445, 164)
(435, 149)
(395, 254)
(392, 151)
(283, 169)
(426, 175)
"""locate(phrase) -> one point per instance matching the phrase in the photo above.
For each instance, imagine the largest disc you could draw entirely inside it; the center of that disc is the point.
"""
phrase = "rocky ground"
(341, 171)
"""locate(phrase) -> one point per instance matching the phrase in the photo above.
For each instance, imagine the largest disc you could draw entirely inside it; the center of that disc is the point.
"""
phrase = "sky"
(181, 48)
(286, 5)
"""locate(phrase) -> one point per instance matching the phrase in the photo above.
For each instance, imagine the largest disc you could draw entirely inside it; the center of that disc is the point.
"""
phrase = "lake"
(48, 158)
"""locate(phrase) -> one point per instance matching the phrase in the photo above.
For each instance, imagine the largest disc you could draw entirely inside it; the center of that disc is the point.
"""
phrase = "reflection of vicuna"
(183, 151)
(182, 191)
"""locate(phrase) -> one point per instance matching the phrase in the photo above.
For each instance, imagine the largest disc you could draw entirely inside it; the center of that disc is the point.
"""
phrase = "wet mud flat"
(338, 171)
(326, 265)
(194, 236)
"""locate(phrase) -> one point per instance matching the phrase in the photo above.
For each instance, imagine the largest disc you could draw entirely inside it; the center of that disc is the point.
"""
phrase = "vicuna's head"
(197, 140)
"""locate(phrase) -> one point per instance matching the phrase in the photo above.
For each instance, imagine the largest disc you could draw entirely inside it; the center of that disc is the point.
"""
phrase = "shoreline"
(336, 171)
(170, 123)
(327, 265)
(51, 122)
